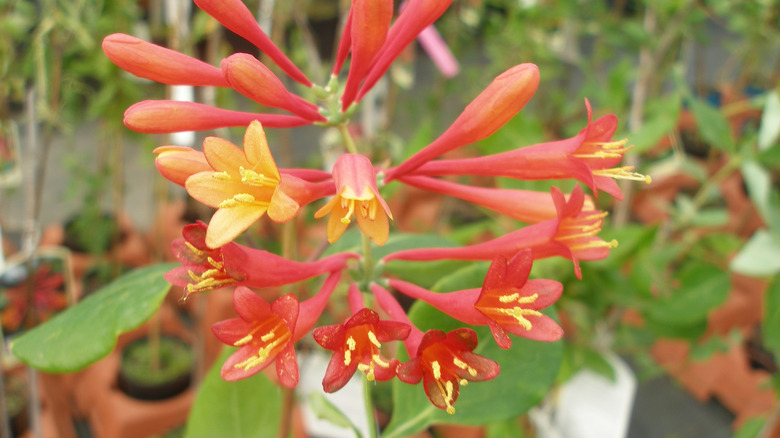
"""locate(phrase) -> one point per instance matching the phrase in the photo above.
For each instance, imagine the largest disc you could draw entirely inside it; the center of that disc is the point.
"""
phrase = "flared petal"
(258, 153)
(229, 223)
(224, 156)
(177, 163)
(249, 305)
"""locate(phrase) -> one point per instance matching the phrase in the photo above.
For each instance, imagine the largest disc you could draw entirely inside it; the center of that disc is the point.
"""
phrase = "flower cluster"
(243, 184)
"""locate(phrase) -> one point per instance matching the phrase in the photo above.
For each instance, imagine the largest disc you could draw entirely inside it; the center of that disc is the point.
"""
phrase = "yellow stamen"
(222, 176)
(193, 249)
(348, 358)
(252, 178)
(625, 172)
(379, 361)
(436, 369)
(464, 366)
(245, 340)
(610, 149)
(596, 244)
(350, 211)
(215, 263)
(351, 343)
(373, 339)
(241, 198)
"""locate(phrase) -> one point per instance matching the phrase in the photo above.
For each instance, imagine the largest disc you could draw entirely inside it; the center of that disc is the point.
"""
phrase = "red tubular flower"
(234, 15)
(254, 80)
(357, 195)
(369, 21)
(165, 116)
(150, 61)
(523, 205)
(589, 157)
(444, 361)
(508, 302)
(266, 332)
(496, 105)
(416, 16)
(263, 333)
(233, 264)
(356, 345)
(573, 235)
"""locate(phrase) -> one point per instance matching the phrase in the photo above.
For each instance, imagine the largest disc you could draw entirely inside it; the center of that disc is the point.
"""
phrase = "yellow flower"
(357, 196)
(243, 186)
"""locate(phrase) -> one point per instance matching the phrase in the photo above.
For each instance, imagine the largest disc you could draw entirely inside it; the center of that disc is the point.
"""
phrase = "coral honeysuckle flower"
(243, 186)
(523, 205)
(234, 15)
(508, 302)
(177, 163)
(150, 61)
(413, 19)
(573, 235)
(368, 24)
(254, 80)
(356, 196)
(590, 157)
(205, 269)
(444, 362)
(356, 345)
(265, 333)
(496, 105)
(164, 116)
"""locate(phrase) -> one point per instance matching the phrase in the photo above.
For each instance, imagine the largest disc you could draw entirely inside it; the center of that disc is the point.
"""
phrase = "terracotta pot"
(130, 382)
(113, 414)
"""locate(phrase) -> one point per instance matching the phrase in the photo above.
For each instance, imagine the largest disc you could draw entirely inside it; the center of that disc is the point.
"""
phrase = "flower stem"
(349, 143)
(370, 416)
(368, 260)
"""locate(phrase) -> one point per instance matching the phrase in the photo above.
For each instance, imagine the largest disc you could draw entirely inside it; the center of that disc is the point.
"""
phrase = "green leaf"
(467, 277)
(710, 217)
(248, 408)
(769, 131)
(326, 410)
(770, 323)
(351, 241)
(661, 123)
(423, 274)
(712, 125)
(702, 288)
(760, 257)
(88, 331)
(528, 370)
(750, 428)
(765, 198)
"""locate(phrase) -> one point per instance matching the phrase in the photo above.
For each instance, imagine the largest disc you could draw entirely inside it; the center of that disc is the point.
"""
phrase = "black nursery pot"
(138, 380)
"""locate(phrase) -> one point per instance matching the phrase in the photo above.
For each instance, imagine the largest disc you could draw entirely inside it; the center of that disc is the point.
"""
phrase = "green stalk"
(370, 418)
(348, 142)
